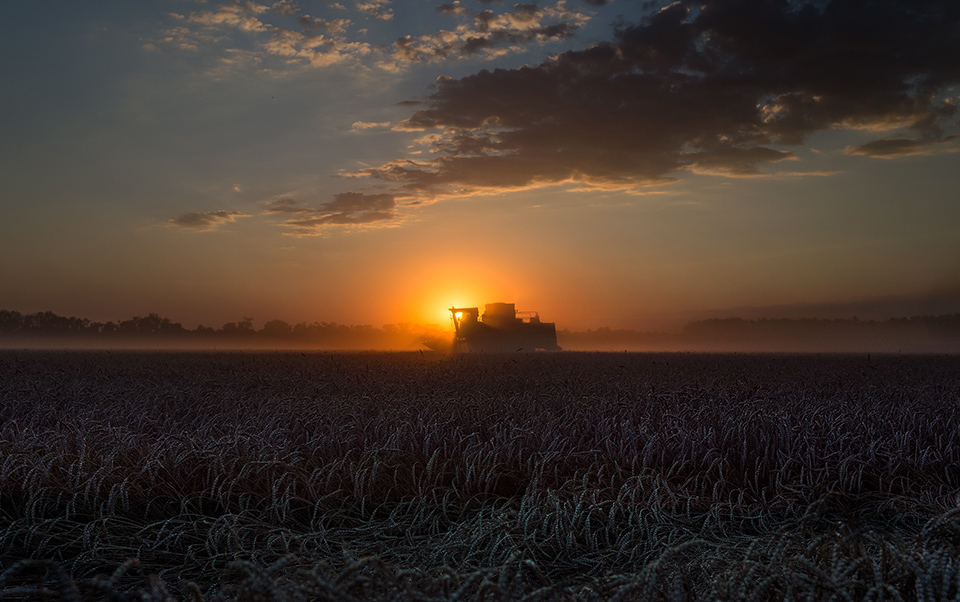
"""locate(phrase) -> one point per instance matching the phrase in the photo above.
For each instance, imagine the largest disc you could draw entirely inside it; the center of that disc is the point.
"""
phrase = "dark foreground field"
(410, 477)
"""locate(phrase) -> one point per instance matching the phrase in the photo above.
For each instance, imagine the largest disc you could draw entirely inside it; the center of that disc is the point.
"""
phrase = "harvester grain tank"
(501, 328)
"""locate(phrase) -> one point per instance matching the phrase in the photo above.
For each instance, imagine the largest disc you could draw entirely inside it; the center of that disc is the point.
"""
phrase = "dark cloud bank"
(712, 86)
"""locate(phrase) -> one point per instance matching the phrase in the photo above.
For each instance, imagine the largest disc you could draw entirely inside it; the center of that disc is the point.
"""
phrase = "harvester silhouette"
(501, 328)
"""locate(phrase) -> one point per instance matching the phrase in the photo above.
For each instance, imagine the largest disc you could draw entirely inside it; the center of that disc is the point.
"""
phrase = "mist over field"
(920, 334)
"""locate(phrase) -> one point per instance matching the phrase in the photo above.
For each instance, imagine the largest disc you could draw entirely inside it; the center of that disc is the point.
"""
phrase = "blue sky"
(631, 164)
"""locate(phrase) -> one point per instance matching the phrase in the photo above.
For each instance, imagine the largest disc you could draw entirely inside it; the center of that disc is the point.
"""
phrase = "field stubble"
(529, 476)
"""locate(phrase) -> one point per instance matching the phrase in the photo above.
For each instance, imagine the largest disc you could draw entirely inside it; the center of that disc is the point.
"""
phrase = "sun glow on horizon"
(445, 282)
(431, 307)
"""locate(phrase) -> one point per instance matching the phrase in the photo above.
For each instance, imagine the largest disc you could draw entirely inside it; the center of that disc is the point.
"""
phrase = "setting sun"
(450, 282)
(437, 309)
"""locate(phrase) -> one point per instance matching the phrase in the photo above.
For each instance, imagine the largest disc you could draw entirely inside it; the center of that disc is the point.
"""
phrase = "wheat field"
(156, 476)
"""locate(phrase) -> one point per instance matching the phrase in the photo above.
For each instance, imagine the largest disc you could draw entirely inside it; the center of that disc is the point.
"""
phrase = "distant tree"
(151, 324)
(302, 329)
(45, 321)
(10, 321)
(277, 328)
(242, 328)
(51, 323)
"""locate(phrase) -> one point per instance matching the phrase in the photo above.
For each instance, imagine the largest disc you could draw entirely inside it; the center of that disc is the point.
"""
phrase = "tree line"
(919, 333)
(14, 324)
(939, 334)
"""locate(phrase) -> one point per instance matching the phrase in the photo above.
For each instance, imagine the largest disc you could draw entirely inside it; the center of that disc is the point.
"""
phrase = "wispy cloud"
(379, 9)
(204, 222)
(347, 209)
(890, 148)
(285, 7)
(369, 125)
(284, 32)
(281, 31)
(454, 8)
(239, 15)
(489, 32)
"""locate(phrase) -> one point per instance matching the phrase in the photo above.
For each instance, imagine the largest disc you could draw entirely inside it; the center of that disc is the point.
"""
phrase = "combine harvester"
(501, 328)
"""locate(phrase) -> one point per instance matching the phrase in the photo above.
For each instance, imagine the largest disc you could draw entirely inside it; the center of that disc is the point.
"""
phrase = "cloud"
(889, 148)
(285, 7)
(317, 50)
(736, 162)
(241, 15)
(309, 23)
(183, 38)
(288, 205)
(347, 209)
(204, 222)
(489, 32)
(379, 9)
(370, 125)
(453, 8)
(702, 86)
(285, 35)
(309, 41)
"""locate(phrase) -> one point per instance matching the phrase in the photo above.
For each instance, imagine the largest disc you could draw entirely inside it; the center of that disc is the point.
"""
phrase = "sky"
(617, 163)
